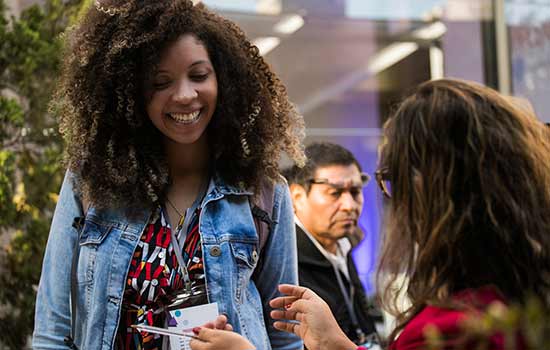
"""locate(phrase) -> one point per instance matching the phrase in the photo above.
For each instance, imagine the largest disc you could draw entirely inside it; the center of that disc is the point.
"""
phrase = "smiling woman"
(174, 126)
(181, 96)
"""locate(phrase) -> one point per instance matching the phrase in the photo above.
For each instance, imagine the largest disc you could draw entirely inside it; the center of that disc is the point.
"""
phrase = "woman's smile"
(185, 118)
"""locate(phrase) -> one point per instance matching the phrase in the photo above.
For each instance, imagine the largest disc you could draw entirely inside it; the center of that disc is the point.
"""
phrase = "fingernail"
(196, 330)
(287, 306)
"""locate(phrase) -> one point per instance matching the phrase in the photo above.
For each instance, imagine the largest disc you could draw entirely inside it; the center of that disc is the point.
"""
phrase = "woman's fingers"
(205, 337)
(206, 334)
(209, 325)
(293, 290)
(220, 322)
(217, 339)
(283, 315)
(293, 294)
(281, 302)
(197, 344)
(287, 327)
(303, 306)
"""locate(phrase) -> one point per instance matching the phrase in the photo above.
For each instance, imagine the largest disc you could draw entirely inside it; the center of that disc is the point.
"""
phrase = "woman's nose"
(185, 93)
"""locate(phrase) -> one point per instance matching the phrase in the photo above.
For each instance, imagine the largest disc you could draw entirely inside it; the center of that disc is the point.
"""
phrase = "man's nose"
(348, 202)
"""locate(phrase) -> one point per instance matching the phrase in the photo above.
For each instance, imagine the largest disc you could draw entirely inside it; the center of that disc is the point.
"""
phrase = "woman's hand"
(219, 323)
(315, 323)
(219, 334)
(215, 339)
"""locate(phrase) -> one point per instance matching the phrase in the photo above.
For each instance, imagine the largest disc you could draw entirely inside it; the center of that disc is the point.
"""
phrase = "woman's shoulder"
(445, 321)
(431, 319)
(270, 190)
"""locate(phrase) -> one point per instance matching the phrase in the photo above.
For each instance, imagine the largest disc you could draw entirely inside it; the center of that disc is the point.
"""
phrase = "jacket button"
(254, 256)
(215, 251)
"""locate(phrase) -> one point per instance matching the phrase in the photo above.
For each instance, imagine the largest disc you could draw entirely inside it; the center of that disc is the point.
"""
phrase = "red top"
(448, 322)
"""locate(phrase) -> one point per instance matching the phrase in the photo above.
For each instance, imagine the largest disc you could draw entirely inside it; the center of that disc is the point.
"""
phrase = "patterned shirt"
(154, 279)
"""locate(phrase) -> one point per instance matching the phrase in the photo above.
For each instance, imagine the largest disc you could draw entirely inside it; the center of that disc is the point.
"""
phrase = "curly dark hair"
(470, 205)
(113, 147)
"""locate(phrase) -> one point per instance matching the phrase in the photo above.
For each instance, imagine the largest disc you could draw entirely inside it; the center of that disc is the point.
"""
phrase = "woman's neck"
(187, 161)
(188, 166)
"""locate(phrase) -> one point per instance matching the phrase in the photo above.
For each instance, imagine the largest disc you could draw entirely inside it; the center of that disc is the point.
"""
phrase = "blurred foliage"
(520, 326)
(30, 154)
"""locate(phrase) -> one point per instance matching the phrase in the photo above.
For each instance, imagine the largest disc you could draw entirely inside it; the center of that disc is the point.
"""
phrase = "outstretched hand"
(305, 314)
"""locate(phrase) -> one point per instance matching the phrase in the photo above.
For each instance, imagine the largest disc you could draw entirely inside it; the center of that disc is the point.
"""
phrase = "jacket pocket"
(91, 237)
(245, 253)
(93, 233)
(246, 258)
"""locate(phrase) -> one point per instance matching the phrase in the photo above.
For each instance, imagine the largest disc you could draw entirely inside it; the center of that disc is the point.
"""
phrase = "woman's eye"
(160, 84)
(199, 77)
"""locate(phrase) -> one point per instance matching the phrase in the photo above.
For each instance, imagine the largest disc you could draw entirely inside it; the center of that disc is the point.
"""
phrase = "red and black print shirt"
(154, 278)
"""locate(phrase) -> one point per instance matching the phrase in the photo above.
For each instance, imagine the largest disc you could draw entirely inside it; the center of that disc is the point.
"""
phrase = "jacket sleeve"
(280, 265)
(53, 310)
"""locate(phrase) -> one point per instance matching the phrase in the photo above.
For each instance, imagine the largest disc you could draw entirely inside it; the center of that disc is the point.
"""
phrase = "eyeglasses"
(382, 178)
(365, 178)
(339, 188)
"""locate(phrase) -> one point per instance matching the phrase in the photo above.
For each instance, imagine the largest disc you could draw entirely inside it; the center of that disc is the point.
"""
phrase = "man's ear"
(298, 195)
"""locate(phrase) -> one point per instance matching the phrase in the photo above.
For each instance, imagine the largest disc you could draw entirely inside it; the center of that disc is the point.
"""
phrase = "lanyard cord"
(181, 229)
(179, 257)
(349, 303)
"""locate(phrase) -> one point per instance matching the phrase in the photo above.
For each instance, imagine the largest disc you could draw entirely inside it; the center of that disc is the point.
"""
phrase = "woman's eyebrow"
(196, 63)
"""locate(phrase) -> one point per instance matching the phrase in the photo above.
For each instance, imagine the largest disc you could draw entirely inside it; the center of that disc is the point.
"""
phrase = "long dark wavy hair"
(110, 142)
(470, 206)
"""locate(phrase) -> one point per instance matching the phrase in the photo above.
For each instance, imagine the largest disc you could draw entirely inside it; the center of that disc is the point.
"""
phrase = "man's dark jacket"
(317, 273)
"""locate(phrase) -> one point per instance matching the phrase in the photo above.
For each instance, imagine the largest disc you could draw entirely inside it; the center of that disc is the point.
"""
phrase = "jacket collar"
(308, 252)
(133, 218)
(220, 186)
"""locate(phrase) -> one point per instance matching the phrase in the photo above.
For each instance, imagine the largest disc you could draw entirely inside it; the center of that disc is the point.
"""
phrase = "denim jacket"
(107, 242)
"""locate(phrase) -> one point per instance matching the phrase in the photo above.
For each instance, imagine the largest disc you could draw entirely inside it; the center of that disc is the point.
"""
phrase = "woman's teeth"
(185, 117)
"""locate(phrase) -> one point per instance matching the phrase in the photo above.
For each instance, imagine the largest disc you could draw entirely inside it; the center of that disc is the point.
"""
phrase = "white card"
(184, 320)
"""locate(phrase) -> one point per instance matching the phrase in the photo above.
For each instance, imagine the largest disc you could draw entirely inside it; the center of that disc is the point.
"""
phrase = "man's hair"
(470, 205)
(319, 154)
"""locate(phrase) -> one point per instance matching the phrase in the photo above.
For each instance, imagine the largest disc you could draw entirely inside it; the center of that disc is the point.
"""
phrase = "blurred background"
(345, 63)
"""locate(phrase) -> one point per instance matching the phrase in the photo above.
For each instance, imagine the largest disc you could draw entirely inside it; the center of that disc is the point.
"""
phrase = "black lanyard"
(348, 300)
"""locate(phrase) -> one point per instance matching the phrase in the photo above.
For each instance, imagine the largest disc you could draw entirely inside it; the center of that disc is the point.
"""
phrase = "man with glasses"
(327, 195)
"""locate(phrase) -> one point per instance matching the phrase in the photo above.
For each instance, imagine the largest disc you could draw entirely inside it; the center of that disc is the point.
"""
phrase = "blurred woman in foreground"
(467, 174)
